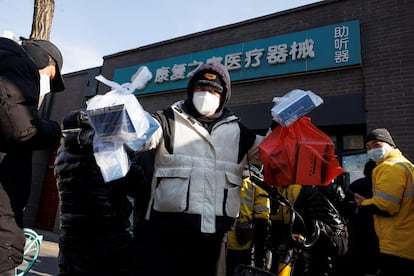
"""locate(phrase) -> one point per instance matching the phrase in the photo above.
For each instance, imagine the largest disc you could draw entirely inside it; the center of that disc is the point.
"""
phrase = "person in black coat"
(22, 131)
(94, 216)
(364, 247)
(317, 203)
(314, 205)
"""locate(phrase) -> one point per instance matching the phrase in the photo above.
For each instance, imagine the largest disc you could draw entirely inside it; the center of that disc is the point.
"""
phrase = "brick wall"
(386, 76)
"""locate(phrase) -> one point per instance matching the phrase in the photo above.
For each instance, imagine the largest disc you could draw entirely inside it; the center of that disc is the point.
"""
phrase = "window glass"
(353, 142)
(333, 138)
(354, 165)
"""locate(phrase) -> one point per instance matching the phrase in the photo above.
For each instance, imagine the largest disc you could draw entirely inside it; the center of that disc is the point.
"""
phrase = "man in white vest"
(202, 149)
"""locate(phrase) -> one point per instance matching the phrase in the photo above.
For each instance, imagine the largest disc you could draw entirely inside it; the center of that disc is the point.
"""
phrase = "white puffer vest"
(202, 175)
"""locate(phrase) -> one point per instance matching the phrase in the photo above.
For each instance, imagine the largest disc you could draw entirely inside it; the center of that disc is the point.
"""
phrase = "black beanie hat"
(211, 79)
(217, 69)
(39, 51)
(380, 134)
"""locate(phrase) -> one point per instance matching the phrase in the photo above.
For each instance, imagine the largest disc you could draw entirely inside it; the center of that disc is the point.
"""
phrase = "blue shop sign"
(327, 47)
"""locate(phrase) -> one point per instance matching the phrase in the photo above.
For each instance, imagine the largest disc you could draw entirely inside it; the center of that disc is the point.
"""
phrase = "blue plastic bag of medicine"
(294, 105)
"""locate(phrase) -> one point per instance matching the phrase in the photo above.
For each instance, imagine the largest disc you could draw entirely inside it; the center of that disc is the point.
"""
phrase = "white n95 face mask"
(44, 88)
(206, 103)
(44, 84)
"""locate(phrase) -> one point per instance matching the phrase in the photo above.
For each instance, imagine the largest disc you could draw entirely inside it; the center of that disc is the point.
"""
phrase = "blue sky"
(85, 31)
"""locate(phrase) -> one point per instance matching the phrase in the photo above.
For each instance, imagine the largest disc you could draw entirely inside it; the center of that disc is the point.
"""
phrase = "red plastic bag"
(299, 154)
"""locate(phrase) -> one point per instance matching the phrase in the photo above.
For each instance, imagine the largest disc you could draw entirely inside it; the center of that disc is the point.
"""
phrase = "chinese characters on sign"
(276, 54)
(341, 39)
(320, 48)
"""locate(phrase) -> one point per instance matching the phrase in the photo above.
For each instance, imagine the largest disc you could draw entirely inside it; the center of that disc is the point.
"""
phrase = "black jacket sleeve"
(20, 124)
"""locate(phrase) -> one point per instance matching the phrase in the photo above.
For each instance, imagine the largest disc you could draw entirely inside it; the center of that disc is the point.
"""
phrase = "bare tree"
(42, 19)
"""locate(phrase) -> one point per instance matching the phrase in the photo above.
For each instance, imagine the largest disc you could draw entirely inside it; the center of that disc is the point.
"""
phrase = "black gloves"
(77, 131)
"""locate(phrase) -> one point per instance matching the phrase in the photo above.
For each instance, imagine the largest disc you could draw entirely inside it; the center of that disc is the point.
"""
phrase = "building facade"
(354, 54)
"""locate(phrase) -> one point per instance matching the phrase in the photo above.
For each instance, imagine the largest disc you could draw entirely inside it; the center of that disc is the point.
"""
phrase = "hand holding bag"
(119, 120)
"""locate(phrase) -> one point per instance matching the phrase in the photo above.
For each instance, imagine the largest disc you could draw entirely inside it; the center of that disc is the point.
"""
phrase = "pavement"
(47, 262)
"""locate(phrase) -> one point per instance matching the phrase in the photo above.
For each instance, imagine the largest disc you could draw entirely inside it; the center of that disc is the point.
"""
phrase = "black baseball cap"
(39, 51)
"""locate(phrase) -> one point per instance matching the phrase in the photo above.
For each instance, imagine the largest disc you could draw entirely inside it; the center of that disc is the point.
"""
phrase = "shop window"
(353, 142)
(354, 164)
(333, 138)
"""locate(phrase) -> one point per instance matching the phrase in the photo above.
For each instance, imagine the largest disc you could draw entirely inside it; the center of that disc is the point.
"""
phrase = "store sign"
(321, 48)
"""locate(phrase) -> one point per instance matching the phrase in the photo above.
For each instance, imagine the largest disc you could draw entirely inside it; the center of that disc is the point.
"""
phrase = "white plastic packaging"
(119, 120)
(294, 105)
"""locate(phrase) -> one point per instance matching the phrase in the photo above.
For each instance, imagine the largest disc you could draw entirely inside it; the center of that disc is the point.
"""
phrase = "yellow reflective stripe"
(261, 208)
(410, 171)
(388, 197)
